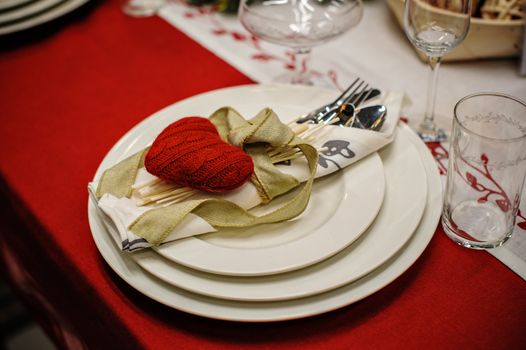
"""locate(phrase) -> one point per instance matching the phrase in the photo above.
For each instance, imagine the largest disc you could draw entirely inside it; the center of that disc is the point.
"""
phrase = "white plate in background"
(27, 10)
(41, 17)
(6, 4)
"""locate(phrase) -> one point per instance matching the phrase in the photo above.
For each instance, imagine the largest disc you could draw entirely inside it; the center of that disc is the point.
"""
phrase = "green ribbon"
(253, 136)
(118, 180)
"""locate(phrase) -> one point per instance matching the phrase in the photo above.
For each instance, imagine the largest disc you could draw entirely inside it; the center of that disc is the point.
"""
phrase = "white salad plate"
(350, 199)
(246, 311)
(35, 13)
(315, 235)
(403, 206)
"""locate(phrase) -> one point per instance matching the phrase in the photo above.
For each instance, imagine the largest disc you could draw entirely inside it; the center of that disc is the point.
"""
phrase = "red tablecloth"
(68, 92)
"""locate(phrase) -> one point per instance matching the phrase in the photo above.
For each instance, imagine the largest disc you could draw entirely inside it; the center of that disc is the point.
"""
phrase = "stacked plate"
(17, 15)
(364, 226)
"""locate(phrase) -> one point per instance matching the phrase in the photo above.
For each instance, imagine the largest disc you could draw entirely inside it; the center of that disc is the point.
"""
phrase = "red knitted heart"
(190, 152)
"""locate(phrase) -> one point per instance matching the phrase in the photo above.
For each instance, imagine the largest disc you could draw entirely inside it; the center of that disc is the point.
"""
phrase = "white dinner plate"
(210, 307)
(403, 206)
(350, 199)
(7, 4)
(21, 18)
(27, 10)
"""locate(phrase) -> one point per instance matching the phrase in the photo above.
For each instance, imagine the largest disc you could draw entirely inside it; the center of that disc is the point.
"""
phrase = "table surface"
(69, 91)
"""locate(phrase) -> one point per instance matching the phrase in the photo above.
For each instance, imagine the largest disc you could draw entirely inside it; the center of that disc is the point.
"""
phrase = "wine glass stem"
(302, 60)
(434, 64)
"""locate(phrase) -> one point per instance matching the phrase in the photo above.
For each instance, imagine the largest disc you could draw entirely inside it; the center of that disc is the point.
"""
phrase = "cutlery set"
(345, 110)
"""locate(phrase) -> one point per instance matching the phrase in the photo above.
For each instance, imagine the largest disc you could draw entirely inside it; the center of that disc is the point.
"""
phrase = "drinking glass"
(300, 25)
(487, 167)
(142, 8)
(435, 31)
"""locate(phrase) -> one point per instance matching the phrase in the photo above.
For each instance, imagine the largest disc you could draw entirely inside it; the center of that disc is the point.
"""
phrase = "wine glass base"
(142, 8)
(294, 78)
(436, 135)
(308, 79)
(436, 131)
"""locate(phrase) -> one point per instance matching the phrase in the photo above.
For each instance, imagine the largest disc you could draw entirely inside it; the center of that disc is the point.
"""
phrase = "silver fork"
(319, 113)
(346, 113)
(342, 110)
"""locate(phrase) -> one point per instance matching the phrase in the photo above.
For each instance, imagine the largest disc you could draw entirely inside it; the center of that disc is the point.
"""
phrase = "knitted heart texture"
(190, 153)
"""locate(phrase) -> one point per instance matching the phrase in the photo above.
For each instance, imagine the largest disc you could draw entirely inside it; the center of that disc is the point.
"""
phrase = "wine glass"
(435, 30)
(300, 25)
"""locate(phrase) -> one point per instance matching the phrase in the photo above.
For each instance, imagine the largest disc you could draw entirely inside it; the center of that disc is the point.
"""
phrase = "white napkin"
(345, 146)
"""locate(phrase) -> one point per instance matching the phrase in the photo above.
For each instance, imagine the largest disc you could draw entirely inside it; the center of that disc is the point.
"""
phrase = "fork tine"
(357, 97)
(364, 98)
(342, 97)
(353, 92)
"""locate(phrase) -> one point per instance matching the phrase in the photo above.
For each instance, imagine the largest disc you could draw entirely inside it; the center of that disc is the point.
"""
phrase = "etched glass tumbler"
(487, 167)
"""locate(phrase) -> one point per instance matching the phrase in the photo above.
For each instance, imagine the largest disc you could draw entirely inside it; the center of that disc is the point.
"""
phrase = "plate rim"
(7, 5)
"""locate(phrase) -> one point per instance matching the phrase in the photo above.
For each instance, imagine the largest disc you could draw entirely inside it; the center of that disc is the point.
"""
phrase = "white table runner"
(377, 51)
